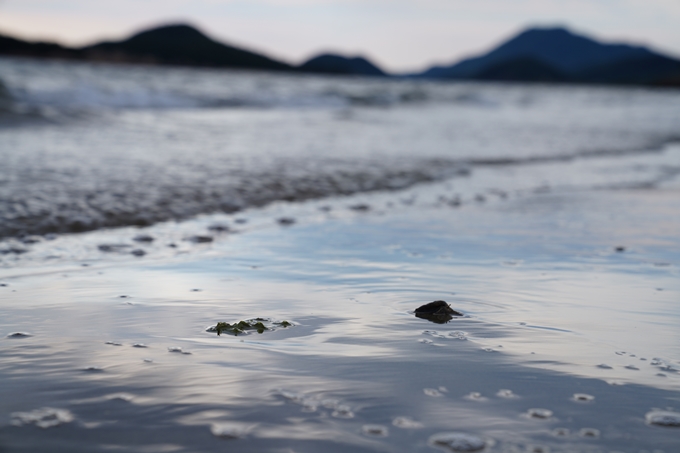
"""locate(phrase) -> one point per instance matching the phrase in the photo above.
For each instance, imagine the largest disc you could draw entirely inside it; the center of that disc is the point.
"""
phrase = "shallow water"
(548, 216)
(547, 305)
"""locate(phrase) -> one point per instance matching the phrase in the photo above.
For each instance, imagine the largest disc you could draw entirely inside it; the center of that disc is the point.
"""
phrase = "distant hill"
(167, 45)
(336, 64)
(20, 48)
(556, 54)
(180, 45)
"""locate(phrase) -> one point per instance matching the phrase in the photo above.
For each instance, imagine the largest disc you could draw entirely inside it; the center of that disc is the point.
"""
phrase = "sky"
(398, 35)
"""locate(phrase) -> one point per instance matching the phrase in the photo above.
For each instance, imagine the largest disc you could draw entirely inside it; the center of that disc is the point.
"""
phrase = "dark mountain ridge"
(337, 64)
(535, 55)
(180, 45)
(558, 55)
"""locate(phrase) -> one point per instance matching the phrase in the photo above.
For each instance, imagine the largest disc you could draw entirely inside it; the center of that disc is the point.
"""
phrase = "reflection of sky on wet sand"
(349, 285)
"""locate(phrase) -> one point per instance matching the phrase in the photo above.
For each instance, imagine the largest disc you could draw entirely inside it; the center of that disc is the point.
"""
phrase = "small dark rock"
(438, 312)
(286, 221)
(143, 238)
(3, 284)
(112, 247)
(241, 221)
(218, 228)
(199, 239)
(28, 240)
(138, 252)
(620, 249)
(360, 207)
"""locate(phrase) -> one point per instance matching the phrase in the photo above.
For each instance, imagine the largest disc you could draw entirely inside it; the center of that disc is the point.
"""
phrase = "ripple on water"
(457, 442)
(227, 431)
(375, 430)
(542, 414)
(663, 418)
(114, 343)
(46, 417)
(604, 366)
(582, 397)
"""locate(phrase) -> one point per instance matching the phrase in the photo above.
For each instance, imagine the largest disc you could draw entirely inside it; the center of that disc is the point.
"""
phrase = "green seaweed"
(242, 327)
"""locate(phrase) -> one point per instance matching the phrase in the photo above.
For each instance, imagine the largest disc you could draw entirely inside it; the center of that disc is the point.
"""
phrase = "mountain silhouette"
(534, 55)
(180, 45)
(336, 64)
(556, 54)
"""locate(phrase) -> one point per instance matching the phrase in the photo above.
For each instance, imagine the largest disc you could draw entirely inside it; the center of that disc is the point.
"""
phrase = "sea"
(141, 206)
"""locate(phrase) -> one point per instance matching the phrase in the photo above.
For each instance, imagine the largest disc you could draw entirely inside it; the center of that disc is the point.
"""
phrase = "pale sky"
(398, 35)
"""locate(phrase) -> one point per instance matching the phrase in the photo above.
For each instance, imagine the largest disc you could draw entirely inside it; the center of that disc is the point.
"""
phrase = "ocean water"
(141, 206)
(92, 146)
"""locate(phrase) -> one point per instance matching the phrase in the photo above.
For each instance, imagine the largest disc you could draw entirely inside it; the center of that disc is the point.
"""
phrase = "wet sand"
(570, 339)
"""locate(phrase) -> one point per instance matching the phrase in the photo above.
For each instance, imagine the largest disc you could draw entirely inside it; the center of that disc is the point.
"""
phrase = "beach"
(553, 231)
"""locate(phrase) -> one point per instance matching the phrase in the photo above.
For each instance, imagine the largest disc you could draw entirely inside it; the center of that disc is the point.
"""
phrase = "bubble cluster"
(457, 442)
(538, 413)
(663, 418)
(375, 430)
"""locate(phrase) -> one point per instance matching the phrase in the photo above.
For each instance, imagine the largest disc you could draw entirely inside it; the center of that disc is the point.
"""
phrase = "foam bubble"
(457, 442)
(582, 397)
(663, 418)
(375, 430)
(406, 423)
(17, 335)
(542, 414)
(475, 396)
(589, 432)
(178, 350)
(46, 417)
(560, 432)
(432, 392)
(505, 393)
(458, 335)
(343, 411)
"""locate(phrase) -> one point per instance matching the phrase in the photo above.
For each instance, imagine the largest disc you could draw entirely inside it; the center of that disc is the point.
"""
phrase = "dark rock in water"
(620, 249)
(112, 247)
(438, 312)
(143, 238)
(360, 207)
(198, 239)
(218, 228)
(286, 221)
(138, 252)
(241, 221)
